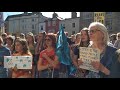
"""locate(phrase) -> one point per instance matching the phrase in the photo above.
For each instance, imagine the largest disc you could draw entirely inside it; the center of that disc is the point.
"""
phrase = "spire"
(55, 15)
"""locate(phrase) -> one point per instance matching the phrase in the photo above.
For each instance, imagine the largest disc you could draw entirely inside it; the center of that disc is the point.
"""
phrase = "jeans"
(49, 73)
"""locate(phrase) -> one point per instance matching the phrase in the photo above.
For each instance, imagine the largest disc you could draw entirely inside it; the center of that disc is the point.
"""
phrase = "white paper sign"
(21, 62)
(87, 55)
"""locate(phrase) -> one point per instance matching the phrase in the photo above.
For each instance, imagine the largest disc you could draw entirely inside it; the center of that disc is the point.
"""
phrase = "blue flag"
(63, 50)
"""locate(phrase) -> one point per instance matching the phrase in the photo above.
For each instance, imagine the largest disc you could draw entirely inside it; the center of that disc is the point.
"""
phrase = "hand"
(97, 65)
(15, 68)
(49, 65)
(45, 55)
(80, 62)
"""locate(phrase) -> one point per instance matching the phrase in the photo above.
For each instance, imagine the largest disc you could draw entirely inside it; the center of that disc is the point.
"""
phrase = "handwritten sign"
(21, 62)
(87, 55)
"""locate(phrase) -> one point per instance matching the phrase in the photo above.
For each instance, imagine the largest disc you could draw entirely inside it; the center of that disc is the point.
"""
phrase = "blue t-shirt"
(3, 52)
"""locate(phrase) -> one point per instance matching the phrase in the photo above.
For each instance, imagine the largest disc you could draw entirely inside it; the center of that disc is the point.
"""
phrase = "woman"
(21, 48)
(73, 46)
(39, 47)
(31, 42)
(3, 52)
(40, 44)
(9, 43)
(117, 42)
(48, 63)
(84, 42)
(99, 36)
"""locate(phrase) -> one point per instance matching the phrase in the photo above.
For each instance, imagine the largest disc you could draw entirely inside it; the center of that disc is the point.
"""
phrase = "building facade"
(42, 27)
(85, 19)
(71, 25)
(52, 24)
(24, 23)
(110, 19)
(2, 29)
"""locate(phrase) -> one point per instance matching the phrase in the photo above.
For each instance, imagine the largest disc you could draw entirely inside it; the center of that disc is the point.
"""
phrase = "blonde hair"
(1, 40)
(118, 35)
(33, 39)
(103, 29)
(78, 34)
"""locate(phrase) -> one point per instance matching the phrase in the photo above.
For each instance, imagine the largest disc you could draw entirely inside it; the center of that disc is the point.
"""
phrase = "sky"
(47, 14)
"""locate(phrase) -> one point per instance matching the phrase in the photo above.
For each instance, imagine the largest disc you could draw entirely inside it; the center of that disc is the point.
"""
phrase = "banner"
(21, 62)
(63, 51)
(87, 55)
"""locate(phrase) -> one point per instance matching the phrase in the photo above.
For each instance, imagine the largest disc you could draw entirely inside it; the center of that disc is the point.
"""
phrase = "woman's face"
(48, 41)
(40, 36)
(18, 47)
(84, 36)
(95, 34)
(29, 38)
(8, 41)
(78, 38)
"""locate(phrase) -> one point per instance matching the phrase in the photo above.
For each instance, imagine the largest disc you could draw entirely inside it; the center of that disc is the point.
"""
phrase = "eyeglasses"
(93, 31)
(47, 39)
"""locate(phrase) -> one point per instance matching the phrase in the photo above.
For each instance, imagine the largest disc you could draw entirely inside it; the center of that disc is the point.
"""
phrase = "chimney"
(74, 15)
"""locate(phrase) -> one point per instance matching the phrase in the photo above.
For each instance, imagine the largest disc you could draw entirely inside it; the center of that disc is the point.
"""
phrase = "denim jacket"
(108, 59)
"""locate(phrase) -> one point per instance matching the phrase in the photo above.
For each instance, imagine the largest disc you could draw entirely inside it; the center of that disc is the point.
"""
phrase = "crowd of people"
(45, 62)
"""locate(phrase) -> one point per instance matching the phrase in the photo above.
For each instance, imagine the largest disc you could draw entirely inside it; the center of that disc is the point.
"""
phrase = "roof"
(20, 15)
(51, 19)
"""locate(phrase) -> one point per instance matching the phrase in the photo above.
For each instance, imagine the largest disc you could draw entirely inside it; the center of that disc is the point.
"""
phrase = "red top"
(51, 54)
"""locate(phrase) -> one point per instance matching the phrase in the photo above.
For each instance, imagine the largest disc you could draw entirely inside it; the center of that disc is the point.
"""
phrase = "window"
(32, 19)
(22, 27)
(41, 28)
(95, 15)
(64, 26)
(33, 27)
(102, 21)
(23, 20)
(73, 24)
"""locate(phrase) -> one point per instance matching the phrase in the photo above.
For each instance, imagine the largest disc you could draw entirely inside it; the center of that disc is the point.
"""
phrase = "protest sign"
(21, 62)
(87, 55)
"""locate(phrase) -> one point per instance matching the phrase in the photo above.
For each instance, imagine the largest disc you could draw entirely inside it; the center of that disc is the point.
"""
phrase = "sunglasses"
(47, 39)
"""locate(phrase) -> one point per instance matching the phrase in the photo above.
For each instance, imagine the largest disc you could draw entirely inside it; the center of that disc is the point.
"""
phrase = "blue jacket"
(108, 60)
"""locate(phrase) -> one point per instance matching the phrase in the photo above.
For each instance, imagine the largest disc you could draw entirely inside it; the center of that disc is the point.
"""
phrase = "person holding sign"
(21, 48)
(100, 40)
(84, 42)
(48, 63)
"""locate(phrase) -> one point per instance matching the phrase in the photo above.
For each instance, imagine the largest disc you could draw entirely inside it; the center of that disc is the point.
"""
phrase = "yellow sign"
(99, 17)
